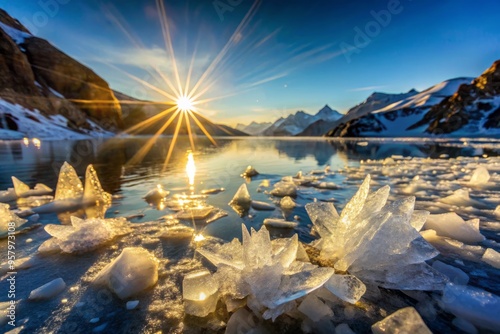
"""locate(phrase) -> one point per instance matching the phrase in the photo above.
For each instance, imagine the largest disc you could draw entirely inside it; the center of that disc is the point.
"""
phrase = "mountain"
(296, 123)
(135, 113)
(44, 92)
(254, 128)
(396, 114)
(473, 110)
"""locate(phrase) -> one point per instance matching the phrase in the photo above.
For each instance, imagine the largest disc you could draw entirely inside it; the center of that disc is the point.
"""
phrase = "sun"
(184, 103)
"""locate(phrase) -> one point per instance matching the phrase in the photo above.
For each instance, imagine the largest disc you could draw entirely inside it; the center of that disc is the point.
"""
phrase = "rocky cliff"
(40, 83)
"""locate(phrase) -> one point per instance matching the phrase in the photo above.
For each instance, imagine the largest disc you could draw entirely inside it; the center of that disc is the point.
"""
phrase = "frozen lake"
(401, 164)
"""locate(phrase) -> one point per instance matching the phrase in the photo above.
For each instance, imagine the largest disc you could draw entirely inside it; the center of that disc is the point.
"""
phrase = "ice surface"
(8, 217)
(200, 293)
(462, 198)
(279, 223)
(282, 189)
(93, 191)
(475, 305)
(242, 322)
(86, 235)
(347, 287)
(49, 290)
(375, 240)
(69, 185)
(19, 187)
(480, 177)
(133, 271)
(406, 320)
(418, 219)
(452, 225)
(492, 257)
(314, 308)
(455, 275)
(196, 213)
(242, 198)
(266, 272)
(262, 206)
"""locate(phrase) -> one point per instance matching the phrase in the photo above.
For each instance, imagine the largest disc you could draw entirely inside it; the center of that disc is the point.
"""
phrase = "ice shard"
(9, 221)
(69, 185)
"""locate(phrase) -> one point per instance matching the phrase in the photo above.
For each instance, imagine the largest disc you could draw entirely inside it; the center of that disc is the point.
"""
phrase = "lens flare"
(184, 104)
(190, 170)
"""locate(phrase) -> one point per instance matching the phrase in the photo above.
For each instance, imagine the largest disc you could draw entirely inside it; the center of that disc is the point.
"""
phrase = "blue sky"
(289, 55)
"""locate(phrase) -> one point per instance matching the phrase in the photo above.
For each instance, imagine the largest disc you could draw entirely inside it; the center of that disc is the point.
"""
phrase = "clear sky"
(287, 55)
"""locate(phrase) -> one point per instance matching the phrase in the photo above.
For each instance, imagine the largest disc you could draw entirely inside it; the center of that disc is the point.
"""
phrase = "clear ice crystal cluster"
(377, 241)
(265, 275)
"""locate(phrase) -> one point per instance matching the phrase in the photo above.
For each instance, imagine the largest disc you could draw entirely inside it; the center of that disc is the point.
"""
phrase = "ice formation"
(262, 206)
(264, 272)
(287, 203)
(452, 225)
(133, 271)
(156, 195)
(279, 223)
(480, 177)
(375, 240)
(69, 184)
(492, 257)
(241, 201)
(9, 221)
(475, 305)
(406, 320)
(282, 189)
(455, 275)
(200, 293)
(84, 235)
(49, 290)
(250, 172)
(23, 190)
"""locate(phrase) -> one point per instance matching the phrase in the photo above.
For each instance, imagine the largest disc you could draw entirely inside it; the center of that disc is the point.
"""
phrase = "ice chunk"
(279, 223)
(346, 287)
(200, 294)
(19, 187)
(196, 213)
(156, 195)
(282, 189)
(480, 177)
(250, 172)
(287, 203)
(461, 197)
(199, 285)
(418, 219)
(314, 308)
(86, 235)
(375, 240)
(453, 226)
(94, 193)
(242, 198)
(326, 185)
(68, 185)
(212, 191)
(132, 304)
(475, 305)
(406, 320)
(262, 206)
(455, 275)
(242, 322)
(492, 257)
(133, 271)
(49, 290)
(9, 221)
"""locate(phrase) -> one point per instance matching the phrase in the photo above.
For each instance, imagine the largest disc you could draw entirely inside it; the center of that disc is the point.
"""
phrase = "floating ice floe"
(250, 172)
(480, 177)
(263, 274)
(49, 290)
(375, 240)
(212, 191)
(156, 195)
(452, 225)
(133, 271)
(262, 206)
(241, 201)
(9, 221)
(22, 190)
(282, 189)
(406, 320)
(279, 223)
(287, 203)
(84, 235)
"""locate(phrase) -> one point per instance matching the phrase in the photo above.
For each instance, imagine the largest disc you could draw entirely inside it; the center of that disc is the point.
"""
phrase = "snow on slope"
(17, 36)
(33, 124)
(254, 128)
(428, 97)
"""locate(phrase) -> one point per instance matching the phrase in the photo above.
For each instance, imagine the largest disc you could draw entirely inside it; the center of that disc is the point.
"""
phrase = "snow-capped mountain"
(254, 128)
(398, 114)
(296, 123)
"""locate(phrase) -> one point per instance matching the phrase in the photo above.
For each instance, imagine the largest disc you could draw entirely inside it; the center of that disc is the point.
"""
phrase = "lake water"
(216, 167)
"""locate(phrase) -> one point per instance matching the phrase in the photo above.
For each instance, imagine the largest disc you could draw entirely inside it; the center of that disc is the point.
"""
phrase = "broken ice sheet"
(87, 235)
(376, 240)
(259, 269)
(406, 320)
